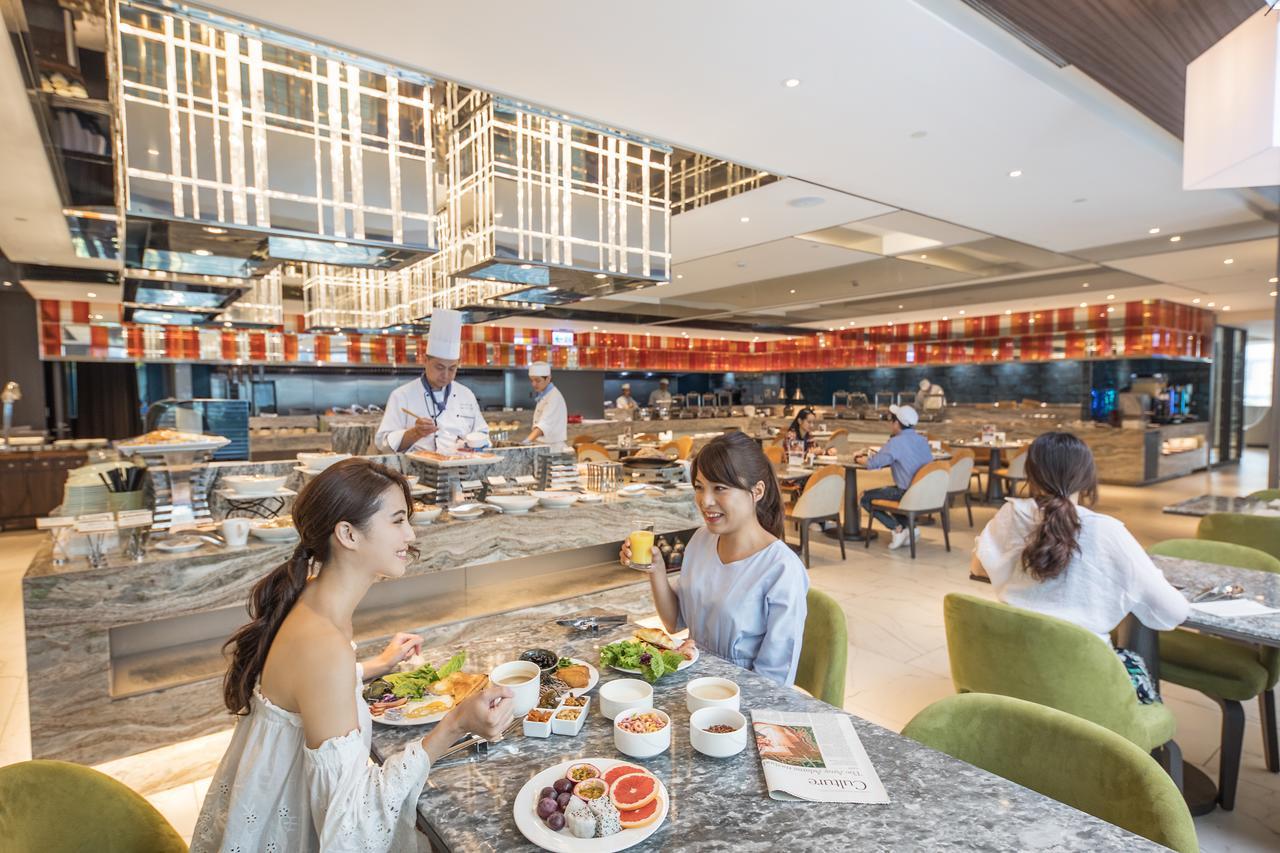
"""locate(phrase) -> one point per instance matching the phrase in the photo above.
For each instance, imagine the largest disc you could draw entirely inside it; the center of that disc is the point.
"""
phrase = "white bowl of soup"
(712, 692)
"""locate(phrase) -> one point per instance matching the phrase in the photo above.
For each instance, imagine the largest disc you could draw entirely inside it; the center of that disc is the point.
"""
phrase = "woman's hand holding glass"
(658, 564)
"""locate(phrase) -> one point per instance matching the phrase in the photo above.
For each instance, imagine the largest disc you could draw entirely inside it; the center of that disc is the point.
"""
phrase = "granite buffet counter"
(936, 802)
(128, 658)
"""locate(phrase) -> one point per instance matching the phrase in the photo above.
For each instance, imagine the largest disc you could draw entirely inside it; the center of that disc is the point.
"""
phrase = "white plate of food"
(275, 530)
(574, 677)
(179, 545)
(420, 696)
(424, 514)
(171, 441)
(613, 654)
(573, 826)
(591, 498)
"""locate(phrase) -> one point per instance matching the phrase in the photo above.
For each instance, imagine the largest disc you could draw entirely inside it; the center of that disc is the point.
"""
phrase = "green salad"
(415, 683)
(652, 662)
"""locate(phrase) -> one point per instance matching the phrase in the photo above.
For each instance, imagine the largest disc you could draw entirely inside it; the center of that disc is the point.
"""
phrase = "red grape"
(563, 785)
(547, 808)
(556, 822)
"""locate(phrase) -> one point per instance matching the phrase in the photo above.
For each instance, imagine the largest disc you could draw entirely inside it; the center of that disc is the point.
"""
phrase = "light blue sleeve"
(884, 458)
(786, 604)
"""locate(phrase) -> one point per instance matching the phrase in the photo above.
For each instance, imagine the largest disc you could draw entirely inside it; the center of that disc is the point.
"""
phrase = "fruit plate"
(681, 668)
(536, 830)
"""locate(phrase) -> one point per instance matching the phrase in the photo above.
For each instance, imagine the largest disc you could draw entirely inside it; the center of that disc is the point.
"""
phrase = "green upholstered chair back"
(824, 653)
(1254, 531)
(1228, 554)
(995, 648)
(69, 808)
(1265, 495)
(1063, 757)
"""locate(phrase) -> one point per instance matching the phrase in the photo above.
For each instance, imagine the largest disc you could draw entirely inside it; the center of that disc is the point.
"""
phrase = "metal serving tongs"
(1218, 593)
(593, 623)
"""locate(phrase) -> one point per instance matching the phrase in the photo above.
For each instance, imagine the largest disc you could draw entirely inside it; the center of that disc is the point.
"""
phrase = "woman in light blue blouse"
(742, 591)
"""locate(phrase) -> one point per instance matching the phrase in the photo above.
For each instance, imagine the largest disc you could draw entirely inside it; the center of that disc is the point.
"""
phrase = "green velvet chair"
(824, 652)
(68, 808)
(995, 648)
(1252, 531)
(1226, 671)
(1264, 495)
(1062, 756)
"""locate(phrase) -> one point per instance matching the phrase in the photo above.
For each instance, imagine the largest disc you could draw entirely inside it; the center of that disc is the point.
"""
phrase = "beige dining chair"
(839, 440)
(818, 503)
(961, 472)
(774, 453)
(591, 452)
(926, 495)
(1014, 473)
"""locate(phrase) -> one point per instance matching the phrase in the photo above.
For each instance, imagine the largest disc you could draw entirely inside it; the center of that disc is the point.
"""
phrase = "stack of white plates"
(84, 498)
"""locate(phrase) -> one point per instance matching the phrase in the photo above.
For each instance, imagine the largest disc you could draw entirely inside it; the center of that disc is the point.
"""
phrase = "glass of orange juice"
(641, 549)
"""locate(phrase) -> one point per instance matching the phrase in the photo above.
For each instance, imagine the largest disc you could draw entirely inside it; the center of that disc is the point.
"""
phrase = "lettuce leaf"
(454, 665)
(415, 683)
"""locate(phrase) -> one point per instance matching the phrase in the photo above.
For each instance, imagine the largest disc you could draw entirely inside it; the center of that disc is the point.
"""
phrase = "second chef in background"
(433, 412)
(551, 415)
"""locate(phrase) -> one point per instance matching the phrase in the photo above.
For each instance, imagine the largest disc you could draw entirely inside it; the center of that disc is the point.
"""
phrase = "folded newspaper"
(815, 757)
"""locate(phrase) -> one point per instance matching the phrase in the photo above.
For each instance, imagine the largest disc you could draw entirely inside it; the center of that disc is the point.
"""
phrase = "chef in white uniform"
(445, 412)
(626, 401)
(661, 397)
(551, 415)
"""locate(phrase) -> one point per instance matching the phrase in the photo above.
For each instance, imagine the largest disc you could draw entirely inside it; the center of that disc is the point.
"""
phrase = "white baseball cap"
(664, 381)
(905, 414)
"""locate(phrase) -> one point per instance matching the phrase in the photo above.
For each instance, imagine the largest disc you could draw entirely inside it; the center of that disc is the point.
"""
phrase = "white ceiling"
(873, 73)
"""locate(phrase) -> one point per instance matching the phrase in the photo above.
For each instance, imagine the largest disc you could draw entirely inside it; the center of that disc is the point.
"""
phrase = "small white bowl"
(317, 462)
(703, 693)
(624, 694)
(424, 517)
(717, 744)
(591, 497)
(644, 745)
(535, 729)
(513, 503)
(570, 727)
(275, 534)
(557, 500)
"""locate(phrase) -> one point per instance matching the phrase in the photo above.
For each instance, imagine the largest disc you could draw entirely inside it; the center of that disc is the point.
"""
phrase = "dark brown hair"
(1058, 465)
(799, 419)
(350, 491)
(736, 461)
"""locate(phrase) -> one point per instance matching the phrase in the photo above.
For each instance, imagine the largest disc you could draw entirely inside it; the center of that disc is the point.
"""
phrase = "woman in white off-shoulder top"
(297, 775)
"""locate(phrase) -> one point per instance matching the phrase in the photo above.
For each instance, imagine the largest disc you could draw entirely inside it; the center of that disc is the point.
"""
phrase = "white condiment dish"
(426, 516)
(717, 744)
(712, 692)
(624, 694)
(317, 462)
(646, 744)
(513, 504)
(557, 500)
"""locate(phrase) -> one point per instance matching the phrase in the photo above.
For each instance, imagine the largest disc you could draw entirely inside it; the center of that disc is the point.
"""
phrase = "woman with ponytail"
(742, 591)
(1049, 554)
(297, 775)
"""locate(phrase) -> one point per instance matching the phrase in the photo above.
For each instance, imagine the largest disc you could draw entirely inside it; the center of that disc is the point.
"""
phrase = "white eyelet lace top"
(273, 794)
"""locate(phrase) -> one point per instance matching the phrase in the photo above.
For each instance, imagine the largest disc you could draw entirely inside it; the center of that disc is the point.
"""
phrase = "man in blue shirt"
(905, 453)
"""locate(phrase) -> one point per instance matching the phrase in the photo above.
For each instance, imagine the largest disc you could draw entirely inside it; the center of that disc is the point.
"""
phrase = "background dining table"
(995, 492)
(1209, 504)
(936, 802)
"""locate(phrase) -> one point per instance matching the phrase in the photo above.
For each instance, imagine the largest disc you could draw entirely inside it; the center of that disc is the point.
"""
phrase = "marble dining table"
(1210, 504)
(936, 802)
(995, 492)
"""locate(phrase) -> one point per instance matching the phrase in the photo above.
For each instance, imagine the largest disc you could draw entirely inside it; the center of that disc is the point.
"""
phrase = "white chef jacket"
(660, 398)
(461, 416)
(551, 415)
(625, 402)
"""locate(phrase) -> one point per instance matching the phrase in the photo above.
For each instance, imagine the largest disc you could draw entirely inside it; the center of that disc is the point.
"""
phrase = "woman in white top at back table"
(297, 775)
(742, 592)
(1049, 554)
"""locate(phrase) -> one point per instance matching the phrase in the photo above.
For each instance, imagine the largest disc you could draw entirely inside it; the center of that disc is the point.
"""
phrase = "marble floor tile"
(180, 807)
(10, 687)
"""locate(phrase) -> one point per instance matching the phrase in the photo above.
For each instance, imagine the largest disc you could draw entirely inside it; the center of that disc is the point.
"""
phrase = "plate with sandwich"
(651, 653)
(422, 693)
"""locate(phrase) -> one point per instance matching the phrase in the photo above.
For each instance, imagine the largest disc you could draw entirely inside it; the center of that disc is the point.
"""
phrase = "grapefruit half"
(633, 791)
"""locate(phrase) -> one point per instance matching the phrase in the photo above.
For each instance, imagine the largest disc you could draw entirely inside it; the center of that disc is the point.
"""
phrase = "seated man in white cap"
(551, 415)
(433, 412)
(905, 453)
(661, 399)
(626, 401)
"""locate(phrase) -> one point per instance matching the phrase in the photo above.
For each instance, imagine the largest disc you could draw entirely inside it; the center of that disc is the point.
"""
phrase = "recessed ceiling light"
(679, 275)
(1211, 304)
(899, 307)
(1084, 304)
(1229, 261)
(1111, 296)
(744, 219)
(1272, 293)
(213, 229)
(1110, 310)
(961, 312)
(1175, 239)
(552, 288)
(922, 257)
(1086, 284)
(204, 253)
(1226, 307)
(1153, 230)
(791, 82)
(8, 284)
(832, 330)
(945, 317)
(1016, 173)
(154, 152)
(91, 295)
(1195, 301)
(593, 328)
(1273, 280)
(1008, 311)
(227, 323)
(793, 290)
(601, 275)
